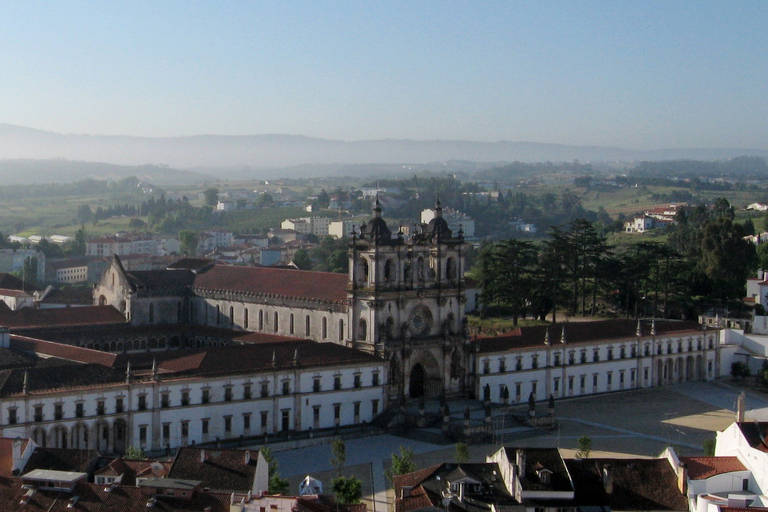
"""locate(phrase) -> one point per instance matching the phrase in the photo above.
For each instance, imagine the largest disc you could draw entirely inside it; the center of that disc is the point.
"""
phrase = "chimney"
(202, 456)
(740, 407)
(608, 479)
(682, 478)
(247, 457)
(520, 461)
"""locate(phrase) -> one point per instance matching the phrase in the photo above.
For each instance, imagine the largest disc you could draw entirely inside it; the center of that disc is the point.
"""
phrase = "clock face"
(421, 321)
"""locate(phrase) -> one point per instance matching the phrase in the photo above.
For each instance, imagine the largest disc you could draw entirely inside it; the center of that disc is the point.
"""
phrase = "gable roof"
(701, 468)
(25, 318)
(537, 459)
(281, 282)
(61, 350)
(264, 356)
(638, 484)
(755, 433)
(223, 470)
(582, 332)
(180, 279)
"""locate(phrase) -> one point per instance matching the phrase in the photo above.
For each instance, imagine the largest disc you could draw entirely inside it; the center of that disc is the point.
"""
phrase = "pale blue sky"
(639, 74)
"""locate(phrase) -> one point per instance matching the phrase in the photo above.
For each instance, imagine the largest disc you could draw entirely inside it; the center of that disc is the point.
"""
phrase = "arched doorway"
(416, 384)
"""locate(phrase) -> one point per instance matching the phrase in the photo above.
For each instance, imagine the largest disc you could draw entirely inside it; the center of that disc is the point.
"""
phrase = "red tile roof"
(60, 350)
(223, 470)
(87, 315)
(581, 332)
(701, 468)
(302, 284)
(262, 356)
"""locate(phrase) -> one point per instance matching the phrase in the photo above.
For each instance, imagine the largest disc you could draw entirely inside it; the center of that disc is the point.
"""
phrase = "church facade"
(403, 300)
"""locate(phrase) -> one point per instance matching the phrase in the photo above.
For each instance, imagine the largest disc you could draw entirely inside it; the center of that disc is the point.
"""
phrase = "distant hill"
(25, 172)
(263, 152)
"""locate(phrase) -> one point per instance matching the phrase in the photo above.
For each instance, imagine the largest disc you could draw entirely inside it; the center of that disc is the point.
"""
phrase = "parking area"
(639, 423)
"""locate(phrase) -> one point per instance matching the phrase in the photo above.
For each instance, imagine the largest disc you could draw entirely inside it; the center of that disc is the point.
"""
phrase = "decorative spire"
(154, 368)
(25, 387)
(377, 208)
(653, 327)
(438, 207)
(296, 357)
(274, 359)
(128, 373)
(546, 336)
(562, 336)
(639, 331)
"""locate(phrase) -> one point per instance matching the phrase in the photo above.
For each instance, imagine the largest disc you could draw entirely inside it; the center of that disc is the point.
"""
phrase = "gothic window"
(218, 314)
(245, 318)
(261, 319)
(231, 315)
(291, 324)
(364, 270)
(307, 326)
(341, 330)
(276, 321)
(325, 327)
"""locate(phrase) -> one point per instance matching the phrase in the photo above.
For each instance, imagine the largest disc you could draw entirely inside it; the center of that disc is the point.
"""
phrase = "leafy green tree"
(188, 241)
(211, 196)
(739, 370)
(506, 270)
(264, 200)
(29, 273)
(137, 223)
(583, 447)
(461, 454)
(709, 447)
(339, 451)
(84, 214)
(277, 485)
(80, 244)
(402, 463)
(302, 260)
(134, 453)
(348, 490)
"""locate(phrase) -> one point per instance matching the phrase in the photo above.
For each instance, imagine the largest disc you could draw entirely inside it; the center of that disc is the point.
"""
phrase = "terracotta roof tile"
(223, 470)
(581, 332)
(700, 468)
(638, 484)
(60, 350)
(26, 318)
(258, 357)
(322, 286)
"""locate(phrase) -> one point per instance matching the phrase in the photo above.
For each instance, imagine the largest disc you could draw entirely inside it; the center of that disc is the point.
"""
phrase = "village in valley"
(148, 372)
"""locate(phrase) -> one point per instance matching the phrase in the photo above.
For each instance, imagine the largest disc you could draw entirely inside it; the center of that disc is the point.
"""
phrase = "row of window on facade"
(583, 359)
(263, 321)
(285, 422)
(165, 398)
(665, 376)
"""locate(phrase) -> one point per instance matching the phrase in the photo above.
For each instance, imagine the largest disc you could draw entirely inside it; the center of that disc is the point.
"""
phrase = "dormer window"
(545, 475)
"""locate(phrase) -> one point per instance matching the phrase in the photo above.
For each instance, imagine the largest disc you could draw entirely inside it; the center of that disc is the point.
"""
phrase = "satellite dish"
(157, 467)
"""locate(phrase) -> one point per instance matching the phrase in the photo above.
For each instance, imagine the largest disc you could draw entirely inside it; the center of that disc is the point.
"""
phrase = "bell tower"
(407, 304)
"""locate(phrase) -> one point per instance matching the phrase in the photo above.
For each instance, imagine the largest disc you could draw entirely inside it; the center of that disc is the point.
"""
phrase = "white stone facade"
(598, 366)
(154, 414)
